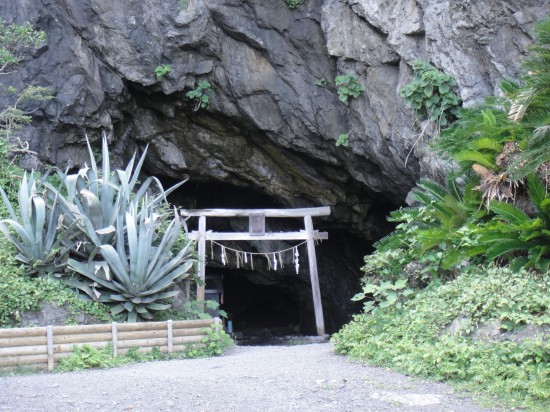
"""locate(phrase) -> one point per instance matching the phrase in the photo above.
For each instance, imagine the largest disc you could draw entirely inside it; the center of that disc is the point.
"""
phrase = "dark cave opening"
(264, 301)
(256, 303)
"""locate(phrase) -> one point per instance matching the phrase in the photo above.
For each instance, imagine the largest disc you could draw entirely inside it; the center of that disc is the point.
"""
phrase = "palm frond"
(521, 104)
(509, 212)
(475, 156)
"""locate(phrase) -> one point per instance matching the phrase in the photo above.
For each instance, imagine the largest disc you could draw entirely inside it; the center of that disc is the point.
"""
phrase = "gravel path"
(249, 378)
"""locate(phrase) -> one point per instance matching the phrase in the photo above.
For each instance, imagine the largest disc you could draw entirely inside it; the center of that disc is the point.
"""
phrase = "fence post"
(114, 332)
(49, 338)
(170, 336)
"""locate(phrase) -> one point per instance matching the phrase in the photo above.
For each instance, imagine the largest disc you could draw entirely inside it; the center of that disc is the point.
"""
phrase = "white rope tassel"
(274, 259)
(268, 262)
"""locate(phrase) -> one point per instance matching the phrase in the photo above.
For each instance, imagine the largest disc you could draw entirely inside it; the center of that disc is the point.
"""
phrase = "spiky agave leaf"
(143, 270)
(99, 198)
(36, 233)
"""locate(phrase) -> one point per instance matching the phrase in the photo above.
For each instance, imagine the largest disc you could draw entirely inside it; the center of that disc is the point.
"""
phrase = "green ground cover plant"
(20, 293)
(86, 357)
(415, 341)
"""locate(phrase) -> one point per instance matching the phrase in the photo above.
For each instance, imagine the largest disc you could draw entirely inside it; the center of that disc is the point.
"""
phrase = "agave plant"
(97, 197)
(137, 274)
(38, 233)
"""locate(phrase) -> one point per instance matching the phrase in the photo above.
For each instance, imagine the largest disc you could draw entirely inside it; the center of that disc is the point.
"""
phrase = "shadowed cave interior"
(264, 303)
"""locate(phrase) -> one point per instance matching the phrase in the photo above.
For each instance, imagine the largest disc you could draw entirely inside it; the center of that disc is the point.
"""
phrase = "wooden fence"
(41, 347)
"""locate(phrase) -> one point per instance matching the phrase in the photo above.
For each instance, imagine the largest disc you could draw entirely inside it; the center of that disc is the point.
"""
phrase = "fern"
(521, 104)
(489, 118)
(444, 213)
(456, 256)
(545, 207)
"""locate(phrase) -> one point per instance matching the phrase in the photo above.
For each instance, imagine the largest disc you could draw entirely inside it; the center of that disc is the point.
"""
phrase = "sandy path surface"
(251, 378)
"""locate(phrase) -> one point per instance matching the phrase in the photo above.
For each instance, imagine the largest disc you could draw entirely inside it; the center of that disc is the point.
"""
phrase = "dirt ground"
(248, 378)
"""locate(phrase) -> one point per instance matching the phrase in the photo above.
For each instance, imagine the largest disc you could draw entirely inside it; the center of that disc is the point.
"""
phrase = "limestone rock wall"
(270, 126)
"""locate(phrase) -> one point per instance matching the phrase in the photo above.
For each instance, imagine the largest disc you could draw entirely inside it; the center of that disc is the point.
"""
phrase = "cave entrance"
(263, 307)
(267, 297)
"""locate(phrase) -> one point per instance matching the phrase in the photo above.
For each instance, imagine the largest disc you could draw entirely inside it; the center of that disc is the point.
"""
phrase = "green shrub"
(343, 140)
(201, 95)
(85, 356)
(213, 344)
(432, 93)
(20, 293)
(415, 340)
(322, 82)
(294, 4)
(348, 86)
(161, 70)
(386, 296)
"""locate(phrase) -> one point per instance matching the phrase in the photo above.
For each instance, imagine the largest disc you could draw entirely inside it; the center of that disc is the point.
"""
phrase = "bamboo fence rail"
(41, 347)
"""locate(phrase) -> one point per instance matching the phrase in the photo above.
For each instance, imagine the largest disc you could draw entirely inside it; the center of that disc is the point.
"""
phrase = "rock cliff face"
(269, 129)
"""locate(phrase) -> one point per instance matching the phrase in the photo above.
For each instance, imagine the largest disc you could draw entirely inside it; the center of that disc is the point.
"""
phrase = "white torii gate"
(257, 232)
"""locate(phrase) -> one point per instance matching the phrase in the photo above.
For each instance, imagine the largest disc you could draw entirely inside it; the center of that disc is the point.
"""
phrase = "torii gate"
(257, 232)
